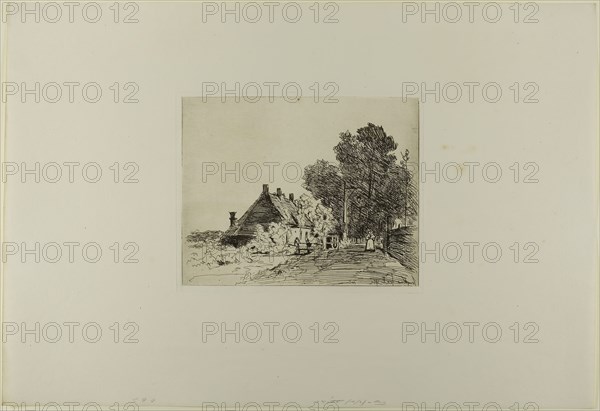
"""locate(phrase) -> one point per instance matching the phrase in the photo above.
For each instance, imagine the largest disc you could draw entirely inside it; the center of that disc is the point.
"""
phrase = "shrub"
(271, 241)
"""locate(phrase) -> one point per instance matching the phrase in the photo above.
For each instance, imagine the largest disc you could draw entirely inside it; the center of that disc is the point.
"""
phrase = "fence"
(403, 245)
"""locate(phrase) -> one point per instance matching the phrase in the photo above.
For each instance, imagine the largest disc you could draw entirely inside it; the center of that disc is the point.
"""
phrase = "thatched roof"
(268, 208)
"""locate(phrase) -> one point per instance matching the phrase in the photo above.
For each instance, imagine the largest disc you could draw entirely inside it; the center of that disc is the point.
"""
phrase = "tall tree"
(369, 186)
(365, 161)
(325, 183)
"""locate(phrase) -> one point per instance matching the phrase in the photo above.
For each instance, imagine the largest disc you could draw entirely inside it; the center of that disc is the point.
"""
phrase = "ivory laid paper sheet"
(300, 205)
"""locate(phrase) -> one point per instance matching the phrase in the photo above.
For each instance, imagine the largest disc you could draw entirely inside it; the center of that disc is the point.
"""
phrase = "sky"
(270, 143)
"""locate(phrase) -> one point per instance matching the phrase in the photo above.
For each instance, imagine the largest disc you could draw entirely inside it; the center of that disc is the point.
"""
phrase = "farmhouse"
(268, 208)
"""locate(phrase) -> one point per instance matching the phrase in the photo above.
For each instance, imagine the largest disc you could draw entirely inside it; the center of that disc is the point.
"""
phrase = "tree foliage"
(324, 180)
(378, 187)
(320, 215)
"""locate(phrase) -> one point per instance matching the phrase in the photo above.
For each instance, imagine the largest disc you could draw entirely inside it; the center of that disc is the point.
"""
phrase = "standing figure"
(370, 246)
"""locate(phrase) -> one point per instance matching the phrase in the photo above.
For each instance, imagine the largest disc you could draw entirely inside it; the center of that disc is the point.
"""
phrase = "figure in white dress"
(370, 246)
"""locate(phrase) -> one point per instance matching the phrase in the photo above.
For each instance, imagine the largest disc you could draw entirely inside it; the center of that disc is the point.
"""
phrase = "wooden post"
(386, 236)
(345, 213)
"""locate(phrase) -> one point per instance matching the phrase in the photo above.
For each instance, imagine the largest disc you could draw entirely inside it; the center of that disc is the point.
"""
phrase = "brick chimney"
(265, 189)
(291, 196)
(232, 218)
(279, 193)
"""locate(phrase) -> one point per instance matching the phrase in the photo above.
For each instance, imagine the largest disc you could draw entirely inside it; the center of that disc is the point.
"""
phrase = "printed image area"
(300, 193)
